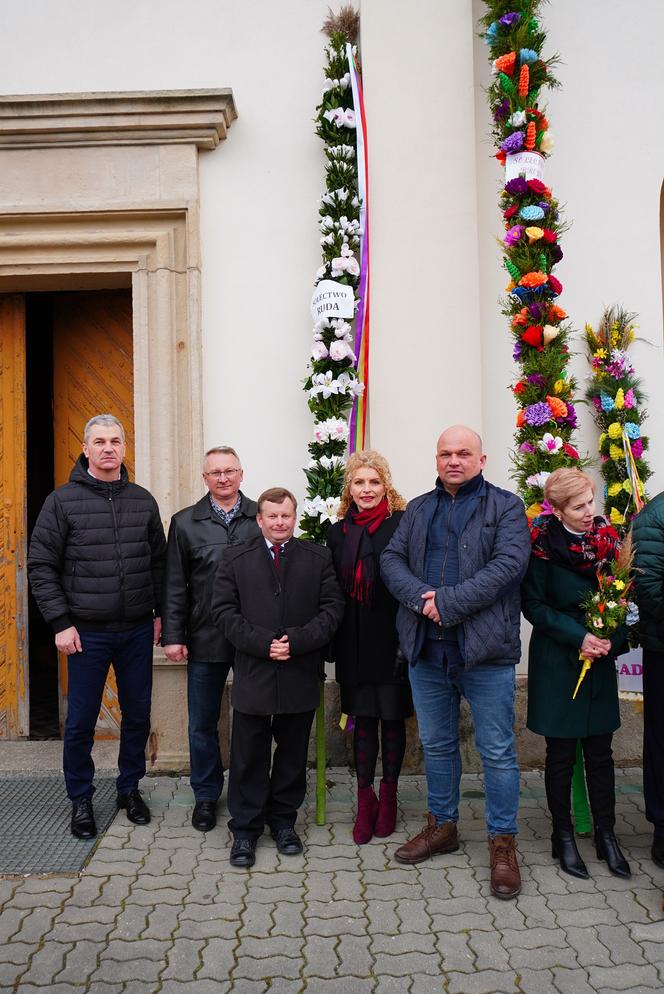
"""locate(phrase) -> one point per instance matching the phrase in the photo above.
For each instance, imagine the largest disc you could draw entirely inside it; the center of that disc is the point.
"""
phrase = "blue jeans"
(489, 689)
(131, 654)
(205, 686)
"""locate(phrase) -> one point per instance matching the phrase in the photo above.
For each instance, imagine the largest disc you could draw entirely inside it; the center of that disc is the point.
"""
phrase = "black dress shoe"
(82, 819)
(657, 851)
(563, 848)
(243, 852)
(204, 816)
(137, 809)
(288, 841)
(608, 849)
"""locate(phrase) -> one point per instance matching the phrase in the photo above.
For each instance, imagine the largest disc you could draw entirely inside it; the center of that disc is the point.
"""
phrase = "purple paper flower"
(570, 419)
(513, 142)
(502, 110)
(517, 186)
(516, 354)
(545, 207)
(508, 20)
(556, 253)
(527, 447)
(537, 380)
(537, 414)
(536, 311)
(513, 235)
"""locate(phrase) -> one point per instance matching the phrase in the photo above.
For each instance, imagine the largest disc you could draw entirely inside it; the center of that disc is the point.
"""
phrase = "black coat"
(252, 604)
(551, 597)
(365, 647)
(97, 553)
(197, 540)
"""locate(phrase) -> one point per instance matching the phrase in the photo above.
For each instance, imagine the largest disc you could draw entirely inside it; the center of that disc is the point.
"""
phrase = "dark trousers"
(257, 795)
(131, 654)
(558, 769)
(205, 686)
(653, 738)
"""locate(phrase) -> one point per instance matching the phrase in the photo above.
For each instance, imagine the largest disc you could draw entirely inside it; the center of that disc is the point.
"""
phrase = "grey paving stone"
(354, 955)
(150, 898)
(382, 917)
(413, 915)
(218, 957)
(9, 974)
(7, 889)
(395, 985)
(320, 886)
(218, 927)
(258, 969)
(621, 946)
(288, 919)
(183, 959)
(79, 963)
(653, 932)
(340, 985)
(456, 952)
(46, 963)
(162, 922)
(624, 978)
(319, 956)
(404, 942)
(348, 886)
(24, 898)
(60, 988)
(590, 951)
(535, 981)
(334, 926)
(572, 981)
(17, 952)
(482, 982)
(204, 987)
(335, 909)
(134, 971)
(10, 922)
(545, 957)
(407, 964)
(122, 950)
(268, 895)
(490, 954)
(428, 985)
(442, 924)
(114, 891)
(36, 924)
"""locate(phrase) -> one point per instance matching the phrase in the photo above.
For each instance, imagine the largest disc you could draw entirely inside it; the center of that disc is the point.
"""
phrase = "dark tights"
(558, 769)
(365, 749)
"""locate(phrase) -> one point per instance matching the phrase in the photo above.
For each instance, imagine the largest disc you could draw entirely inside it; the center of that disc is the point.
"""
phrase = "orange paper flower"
(558, 407)
(522, 318)
(533, 279)
(524, 81)
(556, 313)
(531, 134)
(506, 63)
(520, 418)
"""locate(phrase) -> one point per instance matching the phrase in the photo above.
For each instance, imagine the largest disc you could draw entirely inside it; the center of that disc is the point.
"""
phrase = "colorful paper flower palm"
(616, 398)
(544, 391)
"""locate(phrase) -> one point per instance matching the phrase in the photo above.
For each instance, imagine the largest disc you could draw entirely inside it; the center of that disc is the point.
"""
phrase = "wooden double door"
(63, 358)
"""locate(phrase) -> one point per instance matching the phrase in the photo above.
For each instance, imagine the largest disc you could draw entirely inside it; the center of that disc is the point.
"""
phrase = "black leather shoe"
(137, 809)
(204, 816)
(82, 819)
(243, 852)
(563, 848)
(288, 841)
(608, 849)
(657, 851)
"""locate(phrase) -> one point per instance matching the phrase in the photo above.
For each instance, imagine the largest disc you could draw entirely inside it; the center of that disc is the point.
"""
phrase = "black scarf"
(584, 553)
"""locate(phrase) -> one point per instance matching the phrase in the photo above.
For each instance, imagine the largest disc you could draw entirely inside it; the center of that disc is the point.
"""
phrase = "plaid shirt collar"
(226, 516)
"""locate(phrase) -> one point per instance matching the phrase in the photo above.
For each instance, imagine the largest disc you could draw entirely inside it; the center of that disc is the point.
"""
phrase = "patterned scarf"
(358, 563)
(585, 553)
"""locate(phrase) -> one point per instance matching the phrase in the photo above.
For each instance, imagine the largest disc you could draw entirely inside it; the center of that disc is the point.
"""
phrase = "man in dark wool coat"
(95, 566)
(277, 600)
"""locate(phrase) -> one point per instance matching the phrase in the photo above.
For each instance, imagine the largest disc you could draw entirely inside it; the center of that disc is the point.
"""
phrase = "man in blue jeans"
(95, 566)
(197, 539)
(455, 564)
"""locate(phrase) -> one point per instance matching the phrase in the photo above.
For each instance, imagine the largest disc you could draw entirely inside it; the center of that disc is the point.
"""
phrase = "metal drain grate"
(34, 823)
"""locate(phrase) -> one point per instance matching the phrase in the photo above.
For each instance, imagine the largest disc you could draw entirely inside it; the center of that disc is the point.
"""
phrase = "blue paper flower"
(607, 402)
(531, 213)
(491, 33)
(632, 430)
(528, 55)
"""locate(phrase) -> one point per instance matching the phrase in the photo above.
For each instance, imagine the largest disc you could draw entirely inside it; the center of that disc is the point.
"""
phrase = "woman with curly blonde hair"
(374, 688)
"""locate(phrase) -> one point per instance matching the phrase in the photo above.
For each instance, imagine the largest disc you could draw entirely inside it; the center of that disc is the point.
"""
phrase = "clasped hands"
(593, 647)
(430, 610)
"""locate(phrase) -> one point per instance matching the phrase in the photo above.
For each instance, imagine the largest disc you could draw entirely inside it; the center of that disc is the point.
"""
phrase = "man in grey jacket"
(197, 540)
(455, 564)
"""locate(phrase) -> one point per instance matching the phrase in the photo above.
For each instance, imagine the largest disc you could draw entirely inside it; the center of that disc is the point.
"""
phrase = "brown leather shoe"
(505, 876)
(429, 842)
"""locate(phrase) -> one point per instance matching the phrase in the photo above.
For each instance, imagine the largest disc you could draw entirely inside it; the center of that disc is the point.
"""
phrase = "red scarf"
(358, 563)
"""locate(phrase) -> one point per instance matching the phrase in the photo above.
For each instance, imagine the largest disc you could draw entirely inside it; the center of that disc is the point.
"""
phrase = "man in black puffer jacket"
(95, 566)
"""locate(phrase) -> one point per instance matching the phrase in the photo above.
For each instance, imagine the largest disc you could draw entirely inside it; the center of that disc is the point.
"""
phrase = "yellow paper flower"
(616, 452)
(627, 487)
(559, 386)
(616, 518)
(620, 399)
(618, 584)
(600, 354)
(534, 234)
(615, 430)
(614, 489)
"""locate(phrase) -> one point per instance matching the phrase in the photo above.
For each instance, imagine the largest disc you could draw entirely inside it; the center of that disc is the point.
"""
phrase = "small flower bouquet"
(607, 608)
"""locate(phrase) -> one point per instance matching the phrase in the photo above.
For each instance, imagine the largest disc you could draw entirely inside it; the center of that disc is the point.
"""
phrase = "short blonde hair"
(565, 484)
(374, 460)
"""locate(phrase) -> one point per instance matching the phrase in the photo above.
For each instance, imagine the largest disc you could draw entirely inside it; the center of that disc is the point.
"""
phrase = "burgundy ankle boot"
(367, 808)
(387, 809)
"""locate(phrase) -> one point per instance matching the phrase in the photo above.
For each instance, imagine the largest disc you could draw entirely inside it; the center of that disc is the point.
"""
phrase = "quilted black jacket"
(97, 553)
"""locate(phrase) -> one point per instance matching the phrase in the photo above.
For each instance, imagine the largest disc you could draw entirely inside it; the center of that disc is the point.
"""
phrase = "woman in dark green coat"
(569, 546)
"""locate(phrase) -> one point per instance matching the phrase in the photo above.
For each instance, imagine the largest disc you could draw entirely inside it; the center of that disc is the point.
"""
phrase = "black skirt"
(389, 701)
